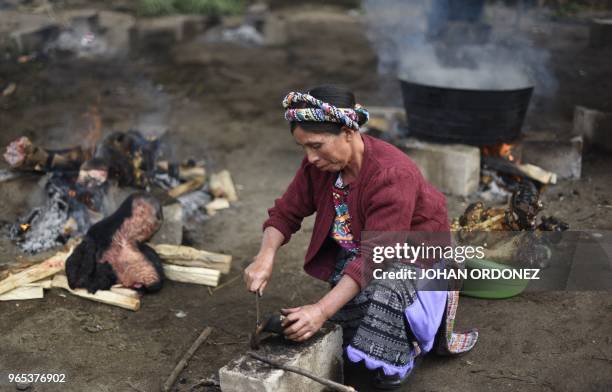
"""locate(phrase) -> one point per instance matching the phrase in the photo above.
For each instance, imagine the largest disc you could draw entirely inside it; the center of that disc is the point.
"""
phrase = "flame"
(72, 193)
(502, 150)
(24, 227)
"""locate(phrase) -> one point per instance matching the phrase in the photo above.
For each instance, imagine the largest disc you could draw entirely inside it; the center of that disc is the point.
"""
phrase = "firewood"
(539, 174)
(215, 205)
(185, 172)
(36, 272)
(195, 275)
(45, 284)
(189, 186)
(105, 296)
(221, 185)
(191, 257)
(119, 289)
(24, 292)
(23, 155)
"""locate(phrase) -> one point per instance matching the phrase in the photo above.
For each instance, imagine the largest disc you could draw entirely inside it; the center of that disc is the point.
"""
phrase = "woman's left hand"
(303, 322)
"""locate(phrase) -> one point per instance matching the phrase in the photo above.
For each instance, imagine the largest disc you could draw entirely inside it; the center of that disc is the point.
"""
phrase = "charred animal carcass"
(114, 249)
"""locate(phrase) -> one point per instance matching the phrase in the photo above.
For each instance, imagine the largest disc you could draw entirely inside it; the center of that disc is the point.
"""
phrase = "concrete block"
(452, 168)
(166, 31)
(321, 355)
(34, 39)
(171, 230)
(563, 158)
(594, 126)
(600, 33)
(387, 119)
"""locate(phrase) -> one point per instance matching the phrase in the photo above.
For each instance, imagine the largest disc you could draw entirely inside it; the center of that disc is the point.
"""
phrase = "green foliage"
(204, 7)
(155, 7)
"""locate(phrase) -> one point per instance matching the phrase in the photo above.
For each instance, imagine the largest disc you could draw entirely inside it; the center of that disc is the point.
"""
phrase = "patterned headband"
(323, 111)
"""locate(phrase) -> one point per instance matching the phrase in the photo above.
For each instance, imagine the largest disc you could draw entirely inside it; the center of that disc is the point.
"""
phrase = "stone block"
(34, 39)
(171, 230)
(166, 31)
(452, 168)
(600, 33)
(594, 126)
(564, 158)
(321, 355)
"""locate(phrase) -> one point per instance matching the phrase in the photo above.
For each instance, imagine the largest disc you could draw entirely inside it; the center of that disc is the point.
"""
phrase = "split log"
(191, 257)
(119, 289)
(184, 172)
(537, 173)
(189, 186)
(24, 292)
(221, 185)
(45, 284)
(195, 275)
(105, 296)
(36, 272)
(216, 205)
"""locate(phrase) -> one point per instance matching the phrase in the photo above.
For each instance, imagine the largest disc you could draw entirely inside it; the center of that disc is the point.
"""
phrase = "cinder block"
(321, 355)
(594, 126)
(171, 230)
(600, 33)
(166, 31)
(562, 158)
(34, 39)
(452, 168)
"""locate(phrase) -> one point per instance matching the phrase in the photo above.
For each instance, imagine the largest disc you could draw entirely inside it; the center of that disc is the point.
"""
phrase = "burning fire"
(24, 227)
(503, 150)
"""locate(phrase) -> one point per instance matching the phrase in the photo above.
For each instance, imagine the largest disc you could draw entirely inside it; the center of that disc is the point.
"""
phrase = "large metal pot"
(469, 116)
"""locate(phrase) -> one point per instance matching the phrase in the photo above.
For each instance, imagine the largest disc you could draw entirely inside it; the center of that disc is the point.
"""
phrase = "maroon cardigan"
(389, 185)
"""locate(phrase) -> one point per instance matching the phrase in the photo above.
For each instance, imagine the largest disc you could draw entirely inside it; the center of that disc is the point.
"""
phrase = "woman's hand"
(303, 322)
(258, 273)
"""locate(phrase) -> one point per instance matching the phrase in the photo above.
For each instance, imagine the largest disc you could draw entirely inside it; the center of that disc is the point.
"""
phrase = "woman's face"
(328, 152)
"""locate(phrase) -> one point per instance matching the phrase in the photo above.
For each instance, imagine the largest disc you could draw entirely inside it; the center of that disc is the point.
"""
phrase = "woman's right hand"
(258, 273)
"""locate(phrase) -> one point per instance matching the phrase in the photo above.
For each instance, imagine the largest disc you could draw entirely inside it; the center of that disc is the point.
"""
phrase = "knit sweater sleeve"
(389, 207)
(294, 205)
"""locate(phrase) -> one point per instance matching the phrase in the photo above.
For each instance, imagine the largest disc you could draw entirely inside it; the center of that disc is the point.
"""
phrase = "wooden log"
(189, 186)
(24, 292)
(36, 272)
(45, 284)
(195, 275)
(119, 289)
(105, 296)
(191, 257)
(216, 205)
(221, 185)
(537, 173)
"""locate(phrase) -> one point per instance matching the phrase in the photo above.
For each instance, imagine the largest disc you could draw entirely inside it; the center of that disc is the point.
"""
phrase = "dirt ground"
(227, 110)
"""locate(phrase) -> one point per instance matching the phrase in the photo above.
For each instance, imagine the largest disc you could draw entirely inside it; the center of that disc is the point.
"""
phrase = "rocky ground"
(221, 102)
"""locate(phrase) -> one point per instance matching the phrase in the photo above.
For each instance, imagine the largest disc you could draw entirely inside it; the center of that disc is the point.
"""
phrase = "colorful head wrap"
(322, 111)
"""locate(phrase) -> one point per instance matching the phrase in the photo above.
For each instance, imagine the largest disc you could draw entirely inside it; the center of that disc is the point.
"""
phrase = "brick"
(321, 355)
(600, 33)
(452, 168)
(166, 31)
(34, 39)
(563, 158)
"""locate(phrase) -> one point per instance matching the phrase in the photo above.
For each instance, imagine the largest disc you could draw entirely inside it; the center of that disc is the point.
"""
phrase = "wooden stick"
(294, 369)
(104, 296)
(196, 275)
(221, 185)
(191, 257)
(47, 268)
(25, 292)
(186, 187)
(183, 362)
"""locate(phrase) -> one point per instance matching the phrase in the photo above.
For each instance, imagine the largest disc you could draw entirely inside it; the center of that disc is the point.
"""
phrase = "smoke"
(460, 44)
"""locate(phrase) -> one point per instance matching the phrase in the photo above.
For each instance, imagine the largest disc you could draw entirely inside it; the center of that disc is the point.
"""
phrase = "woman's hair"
(340, 97)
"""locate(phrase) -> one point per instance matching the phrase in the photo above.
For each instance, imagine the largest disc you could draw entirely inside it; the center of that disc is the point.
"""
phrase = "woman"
(356, 183)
